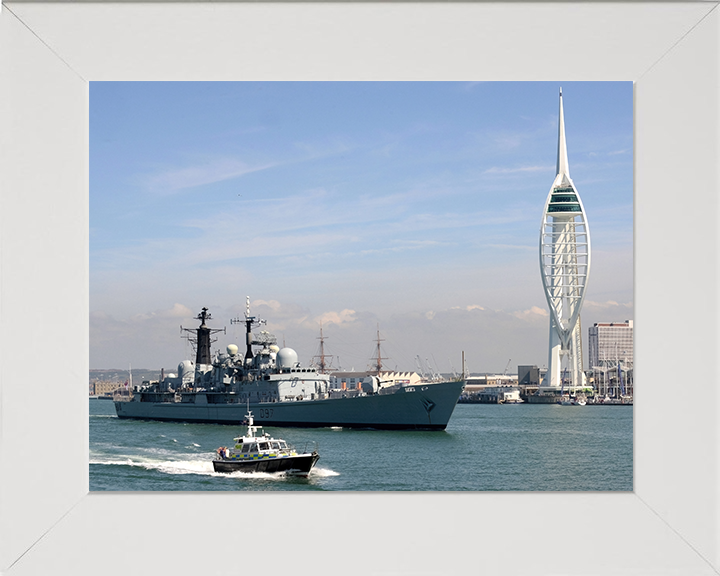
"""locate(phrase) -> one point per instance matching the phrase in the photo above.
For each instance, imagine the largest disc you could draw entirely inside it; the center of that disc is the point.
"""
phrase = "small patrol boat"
(259, 452)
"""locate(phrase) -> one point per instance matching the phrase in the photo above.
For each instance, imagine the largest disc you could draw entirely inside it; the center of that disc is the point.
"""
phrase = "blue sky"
(412, 206)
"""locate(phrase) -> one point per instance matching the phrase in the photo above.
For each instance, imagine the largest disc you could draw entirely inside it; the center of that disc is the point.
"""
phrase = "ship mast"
(202, 338)
(380, 358)
(249, 321)
(322, 364)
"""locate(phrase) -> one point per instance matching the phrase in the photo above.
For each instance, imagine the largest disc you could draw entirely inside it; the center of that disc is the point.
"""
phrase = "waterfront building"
(491, 395)
(610, 353)
(484, 380)
(564, 269)
(610, 342)
(528, 375)
(102, 388)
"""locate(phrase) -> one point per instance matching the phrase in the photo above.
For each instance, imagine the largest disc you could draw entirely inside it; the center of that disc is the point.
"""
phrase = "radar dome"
(274, 349)
(185, 366)
(232, 349)
(287, 358)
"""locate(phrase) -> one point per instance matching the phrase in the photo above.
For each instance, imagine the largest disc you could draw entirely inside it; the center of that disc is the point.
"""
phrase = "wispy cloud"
(608, 306)
(314, 150)
(518, 169)
(402, 246)
(209, 169)
(274, 305)
(201, 173)
(177, 311)
(513, 247)
(341, 317)
(533, 313)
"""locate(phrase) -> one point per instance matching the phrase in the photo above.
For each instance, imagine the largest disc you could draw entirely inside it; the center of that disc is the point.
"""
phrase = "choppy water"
(485, 447)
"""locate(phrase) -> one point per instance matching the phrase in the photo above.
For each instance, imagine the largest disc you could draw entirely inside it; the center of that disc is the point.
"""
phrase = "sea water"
(524, 447)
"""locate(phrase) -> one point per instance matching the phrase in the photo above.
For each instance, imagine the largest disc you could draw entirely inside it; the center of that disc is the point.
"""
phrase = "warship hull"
(421, 407)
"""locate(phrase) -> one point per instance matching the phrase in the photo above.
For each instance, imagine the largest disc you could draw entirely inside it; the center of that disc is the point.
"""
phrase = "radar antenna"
(249, 321)
(265, 339)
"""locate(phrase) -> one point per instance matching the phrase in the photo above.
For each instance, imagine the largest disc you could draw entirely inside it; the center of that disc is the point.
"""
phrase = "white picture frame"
(50, 523)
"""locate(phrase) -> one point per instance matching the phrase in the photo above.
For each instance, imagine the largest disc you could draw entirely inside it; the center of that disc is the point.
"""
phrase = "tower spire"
(562, 159)
(564, 268)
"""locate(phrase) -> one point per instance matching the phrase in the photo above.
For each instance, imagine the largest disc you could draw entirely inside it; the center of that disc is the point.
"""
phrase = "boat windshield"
(264, 446)
(275, 445)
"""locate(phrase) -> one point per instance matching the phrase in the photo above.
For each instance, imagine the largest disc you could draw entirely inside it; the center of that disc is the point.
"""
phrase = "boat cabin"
(258, 445)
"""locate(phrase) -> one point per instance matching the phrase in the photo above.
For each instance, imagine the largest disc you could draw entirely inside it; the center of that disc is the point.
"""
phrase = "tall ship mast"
(323, 360)
(379, 358)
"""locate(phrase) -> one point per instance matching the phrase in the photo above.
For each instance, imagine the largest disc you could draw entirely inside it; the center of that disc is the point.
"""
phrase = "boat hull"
(298, 465)
(422, 407)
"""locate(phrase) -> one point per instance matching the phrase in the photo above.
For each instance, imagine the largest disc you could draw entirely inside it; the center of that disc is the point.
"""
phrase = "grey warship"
(271, 382)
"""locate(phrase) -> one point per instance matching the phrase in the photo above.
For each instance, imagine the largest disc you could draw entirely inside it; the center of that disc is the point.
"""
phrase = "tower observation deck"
(564, 269)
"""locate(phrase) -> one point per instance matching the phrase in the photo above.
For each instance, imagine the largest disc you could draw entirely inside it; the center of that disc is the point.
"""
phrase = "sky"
(408, 208)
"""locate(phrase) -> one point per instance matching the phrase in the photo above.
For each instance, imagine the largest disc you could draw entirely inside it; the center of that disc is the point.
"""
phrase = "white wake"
(200, 467)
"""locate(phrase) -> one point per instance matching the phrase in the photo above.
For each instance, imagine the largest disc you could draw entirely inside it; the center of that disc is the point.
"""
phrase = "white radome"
(287, 358)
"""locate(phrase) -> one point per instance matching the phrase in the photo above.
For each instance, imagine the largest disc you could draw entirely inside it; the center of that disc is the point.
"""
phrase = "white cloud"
(533, 313)
(177, 311)
(342, 317)
(403, 245)
(500, 170)
(208, 172)
(331, 147)
(513, 247)
(274, 305)
(609, 307)
(467, 308)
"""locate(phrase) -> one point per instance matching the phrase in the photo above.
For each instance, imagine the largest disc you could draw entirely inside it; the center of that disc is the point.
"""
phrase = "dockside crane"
(506, 367)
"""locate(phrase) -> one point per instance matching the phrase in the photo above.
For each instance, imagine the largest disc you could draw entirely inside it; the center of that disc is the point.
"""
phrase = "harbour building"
(528, 375)
(564, 269)
(610, 353)
(610, 343)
